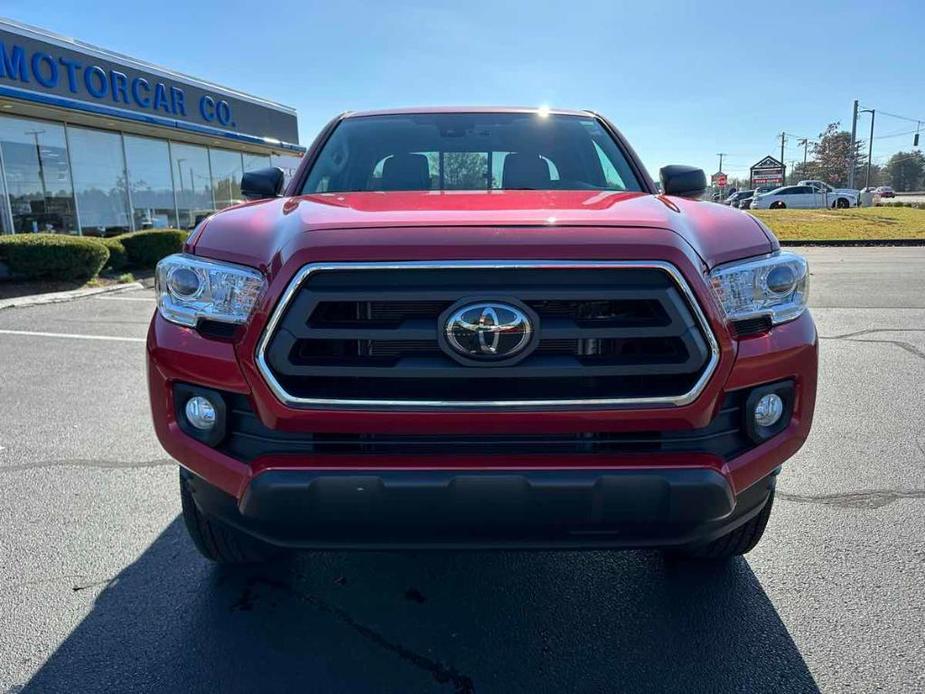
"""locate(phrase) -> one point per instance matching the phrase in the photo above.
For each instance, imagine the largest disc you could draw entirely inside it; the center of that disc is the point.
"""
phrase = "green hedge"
(64, 257)
(52, 256)
(896, 203)
(118, 258)
(145, 248)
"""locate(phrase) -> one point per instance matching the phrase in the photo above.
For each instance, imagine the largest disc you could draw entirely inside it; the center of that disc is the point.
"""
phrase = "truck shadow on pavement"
(446, 621)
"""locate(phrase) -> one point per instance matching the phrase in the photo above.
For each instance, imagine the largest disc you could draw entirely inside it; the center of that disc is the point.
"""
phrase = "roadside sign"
(768, 171)
(719, 179)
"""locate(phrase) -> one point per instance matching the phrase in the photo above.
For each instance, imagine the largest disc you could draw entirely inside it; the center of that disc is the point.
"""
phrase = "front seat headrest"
(406, 172)
(525, 171)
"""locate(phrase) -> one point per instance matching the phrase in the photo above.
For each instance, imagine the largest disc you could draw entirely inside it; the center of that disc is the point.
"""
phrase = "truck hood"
(259, 233)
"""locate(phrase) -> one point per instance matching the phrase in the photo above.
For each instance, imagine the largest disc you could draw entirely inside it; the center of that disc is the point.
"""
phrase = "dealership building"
(97, 143)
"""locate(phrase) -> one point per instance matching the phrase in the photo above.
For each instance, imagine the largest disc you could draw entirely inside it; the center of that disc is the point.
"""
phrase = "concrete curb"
(61, 297)
(847, 243)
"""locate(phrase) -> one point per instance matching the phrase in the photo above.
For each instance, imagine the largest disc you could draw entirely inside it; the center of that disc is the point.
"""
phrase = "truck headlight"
(775, 286)
(190, 288)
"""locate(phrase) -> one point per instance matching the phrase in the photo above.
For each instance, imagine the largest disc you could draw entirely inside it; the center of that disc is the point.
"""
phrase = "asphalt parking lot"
(101, 590)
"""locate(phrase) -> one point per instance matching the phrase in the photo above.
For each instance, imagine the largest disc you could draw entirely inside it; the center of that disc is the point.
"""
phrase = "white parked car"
(803, 197)
(822, 185)
(851, 194)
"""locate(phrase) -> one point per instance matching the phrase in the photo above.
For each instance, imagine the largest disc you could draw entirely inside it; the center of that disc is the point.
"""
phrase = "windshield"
(470, 151)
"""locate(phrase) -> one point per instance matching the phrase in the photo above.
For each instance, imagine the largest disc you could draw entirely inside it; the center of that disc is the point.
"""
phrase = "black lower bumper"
(484, 509)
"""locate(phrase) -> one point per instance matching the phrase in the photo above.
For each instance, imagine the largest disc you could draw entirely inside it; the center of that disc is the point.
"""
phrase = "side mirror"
(262, 183)
(683, 181)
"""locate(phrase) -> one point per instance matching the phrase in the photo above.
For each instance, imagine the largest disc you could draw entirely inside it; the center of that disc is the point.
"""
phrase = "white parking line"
(114, 338)
(125, 298)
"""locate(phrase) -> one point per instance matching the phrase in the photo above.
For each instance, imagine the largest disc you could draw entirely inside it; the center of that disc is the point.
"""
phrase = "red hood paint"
(265, 233)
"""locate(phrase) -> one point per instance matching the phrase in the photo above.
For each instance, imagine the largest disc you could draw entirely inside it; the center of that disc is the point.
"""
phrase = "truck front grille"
(368, 335)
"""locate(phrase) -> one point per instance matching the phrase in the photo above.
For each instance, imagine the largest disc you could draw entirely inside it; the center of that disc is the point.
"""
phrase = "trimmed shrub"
(52, 256)
(145, 248)
(900, 203)
(118, 258)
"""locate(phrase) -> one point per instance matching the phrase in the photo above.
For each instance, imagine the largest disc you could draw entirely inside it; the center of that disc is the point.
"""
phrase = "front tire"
(842, 204)
(778, 205)
(734, 544)
(218, 541)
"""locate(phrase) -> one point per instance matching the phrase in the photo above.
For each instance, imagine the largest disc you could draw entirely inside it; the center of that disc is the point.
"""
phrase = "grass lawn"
(857, 223)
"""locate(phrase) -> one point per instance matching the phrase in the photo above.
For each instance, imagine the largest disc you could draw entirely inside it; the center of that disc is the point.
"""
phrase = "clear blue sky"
(683, 80)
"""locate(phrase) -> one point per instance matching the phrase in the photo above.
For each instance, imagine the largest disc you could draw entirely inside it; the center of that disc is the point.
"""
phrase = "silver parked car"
(802, 197)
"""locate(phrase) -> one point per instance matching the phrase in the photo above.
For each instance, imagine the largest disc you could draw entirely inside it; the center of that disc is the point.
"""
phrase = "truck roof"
(466, 109)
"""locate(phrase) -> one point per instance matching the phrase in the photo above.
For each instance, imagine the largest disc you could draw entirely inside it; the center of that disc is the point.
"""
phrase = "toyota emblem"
(488, 331)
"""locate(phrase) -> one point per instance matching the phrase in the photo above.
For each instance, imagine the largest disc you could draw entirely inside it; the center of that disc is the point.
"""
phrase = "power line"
(899, 134)
(918, 124)
(907, 118)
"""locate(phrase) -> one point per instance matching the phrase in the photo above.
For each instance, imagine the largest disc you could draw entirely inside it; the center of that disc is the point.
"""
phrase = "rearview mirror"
(262, 183)
(683, 181)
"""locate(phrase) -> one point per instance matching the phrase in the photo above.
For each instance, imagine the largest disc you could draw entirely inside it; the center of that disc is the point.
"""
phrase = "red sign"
(721, 180)
(768, 171)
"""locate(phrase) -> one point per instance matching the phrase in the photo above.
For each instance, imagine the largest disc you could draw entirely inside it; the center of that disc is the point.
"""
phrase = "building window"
(38, 189)
(99, 181)
(253, 162)
(150, 182)
(192, 183)
(288, 163)
(227, 169)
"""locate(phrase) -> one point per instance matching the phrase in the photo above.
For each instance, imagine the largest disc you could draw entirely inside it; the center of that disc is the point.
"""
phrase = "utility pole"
(783, 173)
(852, 157)
(805, 143)
(870, 150)
(721, 155)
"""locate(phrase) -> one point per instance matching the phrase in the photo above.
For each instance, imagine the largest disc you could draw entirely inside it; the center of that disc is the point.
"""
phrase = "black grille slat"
(539, 366)
(382, 313)
(413, 329)
(637, 312)
(382, 345)
(554, 329)
(248, 439)
(559, 328)
(418, 362)
(374, 335)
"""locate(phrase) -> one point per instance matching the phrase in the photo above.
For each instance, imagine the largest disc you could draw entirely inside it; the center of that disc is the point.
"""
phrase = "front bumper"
(396, 509)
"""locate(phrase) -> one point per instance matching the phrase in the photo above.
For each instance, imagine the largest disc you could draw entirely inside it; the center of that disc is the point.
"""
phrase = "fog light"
(201, 413)
(768, 410)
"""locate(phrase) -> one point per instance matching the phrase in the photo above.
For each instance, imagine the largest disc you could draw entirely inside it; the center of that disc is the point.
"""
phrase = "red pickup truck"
(479, 328)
